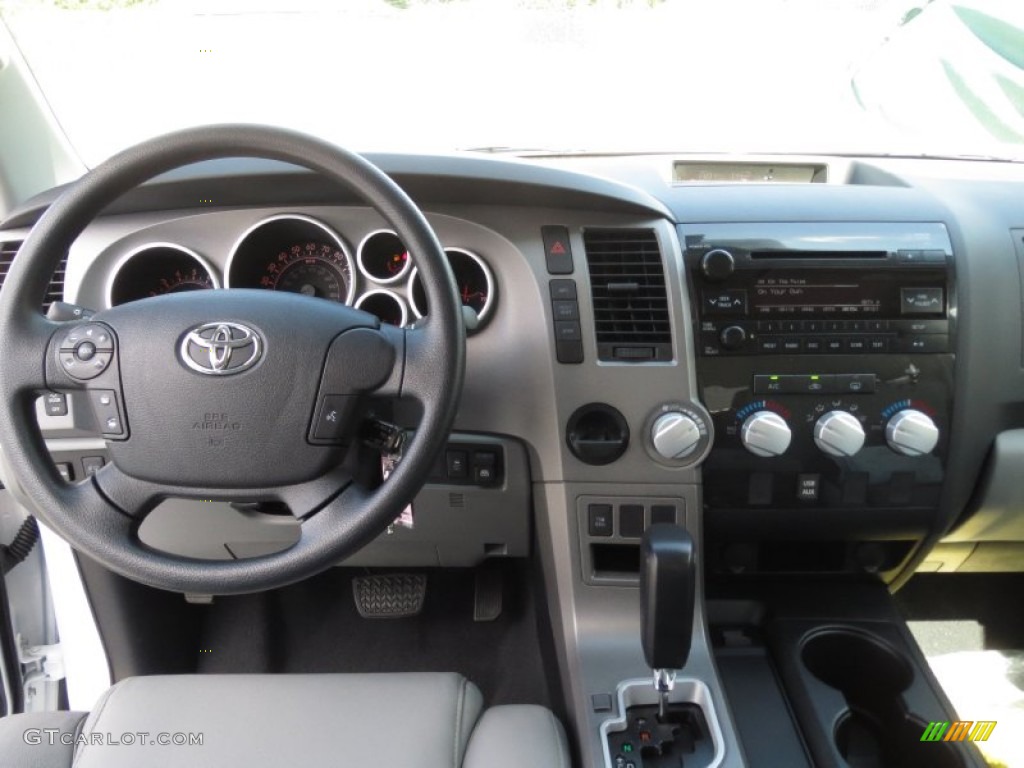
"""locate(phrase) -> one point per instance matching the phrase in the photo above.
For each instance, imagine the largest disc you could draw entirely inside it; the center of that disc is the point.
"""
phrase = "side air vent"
(54, 291)
(627, 283)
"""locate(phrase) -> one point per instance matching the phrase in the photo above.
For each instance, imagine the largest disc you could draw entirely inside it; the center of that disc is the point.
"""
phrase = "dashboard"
(812, 365)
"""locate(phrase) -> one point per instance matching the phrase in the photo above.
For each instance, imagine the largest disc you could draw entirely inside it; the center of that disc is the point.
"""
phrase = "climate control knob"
(765, 434)
(912, 433)
(675, 435)
(839, 433)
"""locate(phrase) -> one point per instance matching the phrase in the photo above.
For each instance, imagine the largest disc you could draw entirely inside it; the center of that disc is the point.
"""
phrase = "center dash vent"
(54, 291)
(627, 283)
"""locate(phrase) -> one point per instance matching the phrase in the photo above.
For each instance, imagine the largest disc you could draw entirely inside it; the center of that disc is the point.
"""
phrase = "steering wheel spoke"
(27, 369)
(421, 367)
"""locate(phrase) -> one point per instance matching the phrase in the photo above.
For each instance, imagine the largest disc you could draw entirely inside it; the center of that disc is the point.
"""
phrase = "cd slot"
(782, 254)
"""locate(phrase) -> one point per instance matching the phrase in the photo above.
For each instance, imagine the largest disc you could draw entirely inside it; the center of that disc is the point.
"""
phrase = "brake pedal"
(390, 596)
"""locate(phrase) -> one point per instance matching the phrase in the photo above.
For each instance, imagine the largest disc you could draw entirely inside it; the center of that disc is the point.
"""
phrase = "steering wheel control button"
(331, 417)
(94, 333)
(557, 250)
(599, 520)
(56, 404)
(92, 464)
(83, 370)
(85, 351)
(108, 414)
(64, 470)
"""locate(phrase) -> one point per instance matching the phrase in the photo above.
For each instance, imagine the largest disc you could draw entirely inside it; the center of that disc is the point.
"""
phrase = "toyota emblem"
(221, 349)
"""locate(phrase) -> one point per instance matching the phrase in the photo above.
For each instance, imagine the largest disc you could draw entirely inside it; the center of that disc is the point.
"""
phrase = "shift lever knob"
(666, 596)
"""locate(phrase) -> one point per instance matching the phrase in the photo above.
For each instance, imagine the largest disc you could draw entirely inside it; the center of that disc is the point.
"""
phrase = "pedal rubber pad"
(390, 596)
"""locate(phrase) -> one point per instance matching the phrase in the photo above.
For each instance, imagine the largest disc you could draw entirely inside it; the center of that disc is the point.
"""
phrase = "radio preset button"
(922, 301)
(813, 326)
(790, 326)
(834, 346)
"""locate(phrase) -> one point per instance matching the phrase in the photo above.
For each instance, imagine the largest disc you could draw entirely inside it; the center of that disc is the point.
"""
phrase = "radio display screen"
(834, 292)
(813, 295)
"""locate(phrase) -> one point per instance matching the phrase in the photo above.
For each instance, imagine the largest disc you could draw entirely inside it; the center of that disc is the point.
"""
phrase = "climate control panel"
(766, 432)
(791, 437)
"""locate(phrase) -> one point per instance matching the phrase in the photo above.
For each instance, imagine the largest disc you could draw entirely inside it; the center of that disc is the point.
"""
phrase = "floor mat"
(314, 626)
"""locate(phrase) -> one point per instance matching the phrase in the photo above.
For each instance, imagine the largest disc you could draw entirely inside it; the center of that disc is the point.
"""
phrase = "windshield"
(830, 76)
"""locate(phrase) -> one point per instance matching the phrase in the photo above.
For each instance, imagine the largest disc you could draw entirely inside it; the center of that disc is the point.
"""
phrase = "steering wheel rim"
(101, 515)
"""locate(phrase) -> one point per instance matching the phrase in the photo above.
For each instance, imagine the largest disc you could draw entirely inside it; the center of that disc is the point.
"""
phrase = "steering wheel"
(245, 395)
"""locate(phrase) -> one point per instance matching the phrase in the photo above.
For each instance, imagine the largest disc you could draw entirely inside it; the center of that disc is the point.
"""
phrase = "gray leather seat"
(418, 720)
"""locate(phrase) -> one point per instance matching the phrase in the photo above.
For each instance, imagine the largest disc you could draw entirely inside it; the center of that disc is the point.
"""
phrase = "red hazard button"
(557, 250)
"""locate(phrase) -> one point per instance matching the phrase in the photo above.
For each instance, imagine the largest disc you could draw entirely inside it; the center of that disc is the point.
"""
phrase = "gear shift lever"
(666, 603)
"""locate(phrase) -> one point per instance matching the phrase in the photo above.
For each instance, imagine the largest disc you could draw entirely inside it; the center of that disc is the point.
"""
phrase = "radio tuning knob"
(733, 337)
(717, 264)
(911, 433)
(765, 434)
(839, 433)
(675, 435)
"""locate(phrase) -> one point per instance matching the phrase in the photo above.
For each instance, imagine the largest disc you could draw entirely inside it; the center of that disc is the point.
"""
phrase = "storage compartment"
(876, 731)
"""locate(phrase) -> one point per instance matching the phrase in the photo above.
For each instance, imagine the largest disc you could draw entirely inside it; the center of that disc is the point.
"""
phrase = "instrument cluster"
(301, 254)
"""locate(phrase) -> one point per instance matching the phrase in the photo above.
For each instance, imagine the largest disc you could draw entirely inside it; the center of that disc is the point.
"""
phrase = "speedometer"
(293, 253)
(312, 269)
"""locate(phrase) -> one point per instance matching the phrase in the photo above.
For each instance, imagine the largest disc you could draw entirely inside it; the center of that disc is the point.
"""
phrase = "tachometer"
(156, 269)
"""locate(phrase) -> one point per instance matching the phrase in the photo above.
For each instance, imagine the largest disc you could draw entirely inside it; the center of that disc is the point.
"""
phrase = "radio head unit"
(850, 288)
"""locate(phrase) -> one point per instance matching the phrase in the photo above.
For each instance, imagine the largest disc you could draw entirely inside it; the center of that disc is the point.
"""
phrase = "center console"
(825, 357)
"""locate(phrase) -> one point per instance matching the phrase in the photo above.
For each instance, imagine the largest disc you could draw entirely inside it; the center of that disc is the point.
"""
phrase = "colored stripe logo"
(959, 730)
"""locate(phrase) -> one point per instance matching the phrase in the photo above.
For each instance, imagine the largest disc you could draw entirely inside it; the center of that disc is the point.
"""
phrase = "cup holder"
(861, 666)
(875, 731)
(864, 742)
